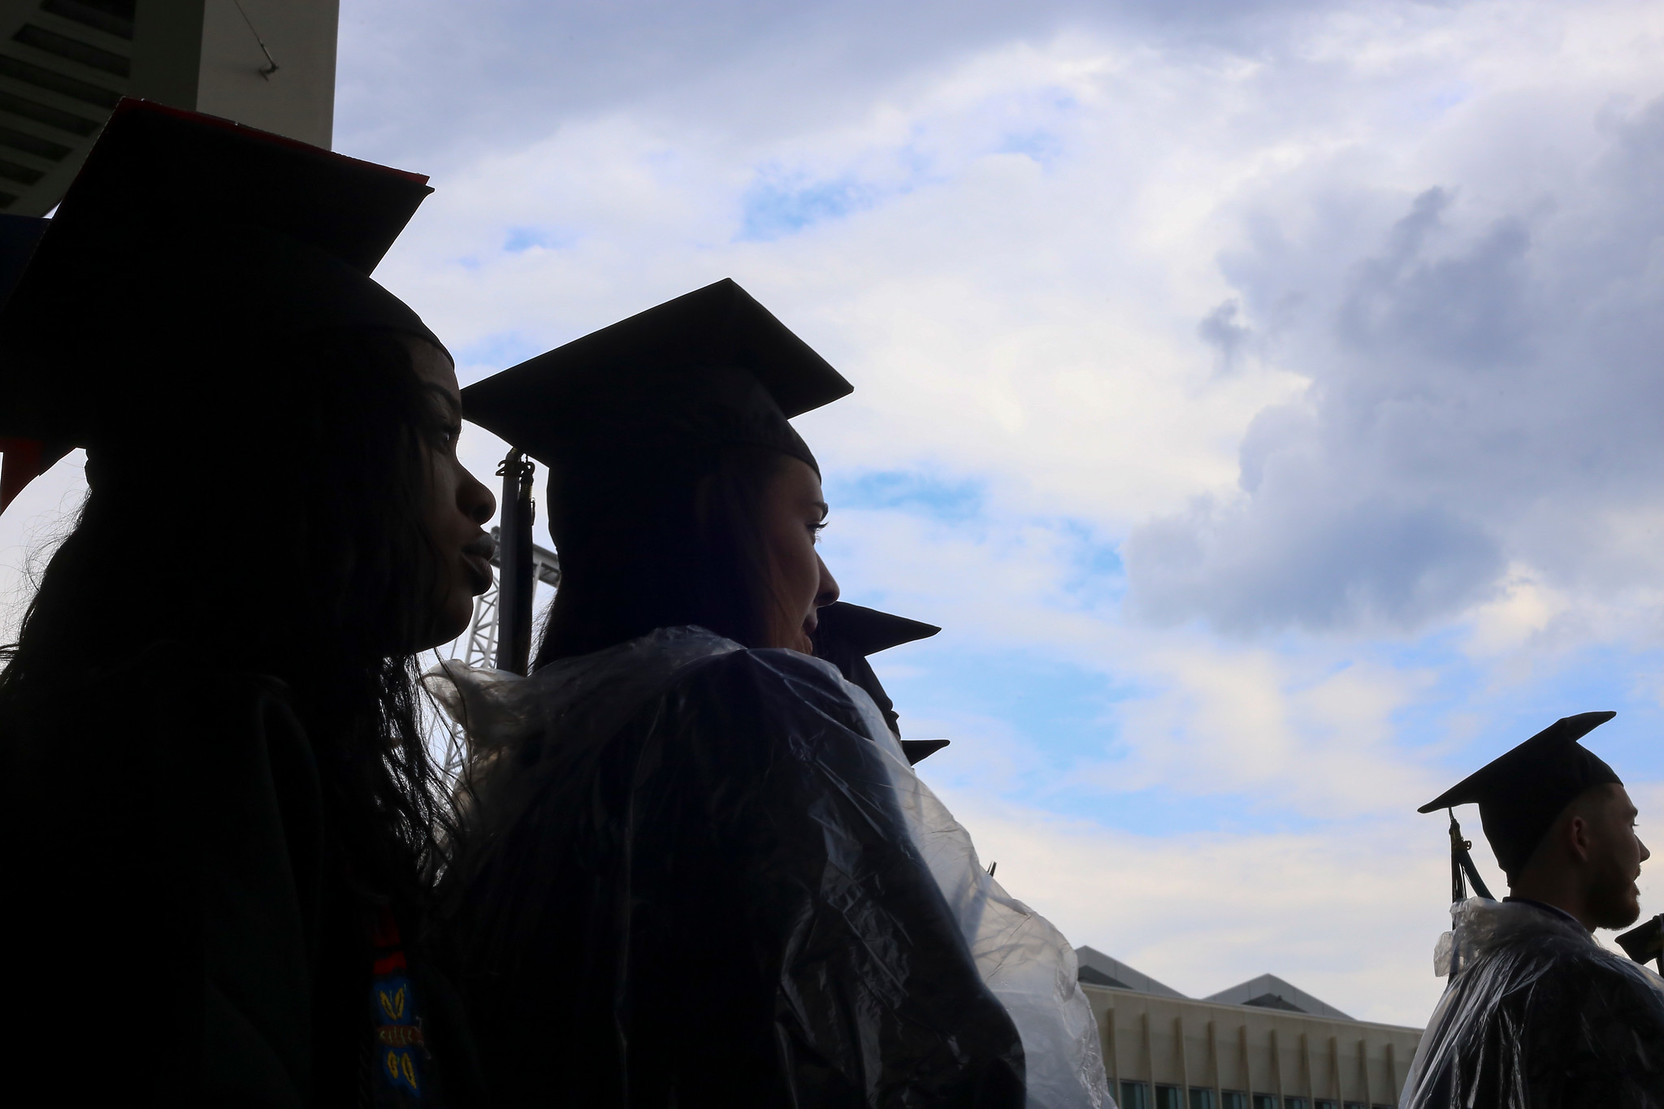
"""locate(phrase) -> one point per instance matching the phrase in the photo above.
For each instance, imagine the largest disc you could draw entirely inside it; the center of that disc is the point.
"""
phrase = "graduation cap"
(1521, 794)
(181, 236)
(624, 407)
(846, 634)
(1645, 943)
(710, 369)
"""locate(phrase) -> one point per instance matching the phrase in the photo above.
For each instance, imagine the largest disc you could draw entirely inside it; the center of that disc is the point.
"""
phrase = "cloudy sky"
(1265, 397)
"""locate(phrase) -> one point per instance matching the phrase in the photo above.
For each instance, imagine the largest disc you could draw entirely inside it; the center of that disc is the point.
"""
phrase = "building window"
(1296, 1103)
(1169, 1097)
(1324, 1103)
(1265, 1101)
(1233, 1099)
(1201, 1099)
(1356, 1105)
(1135, 1095)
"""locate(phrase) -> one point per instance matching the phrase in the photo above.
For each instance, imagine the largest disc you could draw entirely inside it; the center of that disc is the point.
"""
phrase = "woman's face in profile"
(793, 512)
(454, 507)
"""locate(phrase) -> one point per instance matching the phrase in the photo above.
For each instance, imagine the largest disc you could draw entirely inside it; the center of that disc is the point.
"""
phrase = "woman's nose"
(475, 499)
(828, 585)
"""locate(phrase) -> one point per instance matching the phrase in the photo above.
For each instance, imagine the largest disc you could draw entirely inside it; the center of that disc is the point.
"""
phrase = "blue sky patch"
(500, 351)
(1065, 720)
(1452, 95)
(521, 239)
(1096, 575)
(921, 493)
(1598, 678)
(776, 208)
(1042, 146)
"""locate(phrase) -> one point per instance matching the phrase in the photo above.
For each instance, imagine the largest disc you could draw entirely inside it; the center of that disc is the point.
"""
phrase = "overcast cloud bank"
(1485, 392)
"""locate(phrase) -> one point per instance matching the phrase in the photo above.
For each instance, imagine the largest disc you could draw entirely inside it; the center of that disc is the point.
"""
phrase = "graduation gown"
(182, 930)
(1537, 1014)
(687, 881)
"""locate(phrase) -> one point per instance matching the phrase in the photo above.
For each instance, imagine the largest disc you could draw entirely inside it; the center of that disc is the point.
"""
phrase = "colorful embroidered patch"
(393, 998)
(399, 1043)
(400, 1068)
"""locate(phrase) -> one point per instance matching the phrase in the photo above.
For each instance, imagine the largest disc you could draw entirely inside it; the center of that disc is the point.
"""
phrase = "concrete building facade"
(65, 63)
(1263, 1044)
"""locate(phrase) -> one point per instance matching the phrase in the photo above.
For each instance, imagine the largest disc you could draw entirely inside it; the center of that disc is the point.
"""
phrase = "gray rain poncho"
(1538, 1014)
(698, 874)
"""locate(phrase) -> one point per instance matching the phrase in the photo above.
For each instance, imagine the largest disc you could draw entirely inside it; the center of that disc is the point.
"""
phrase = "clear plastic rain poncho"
(1537, 1014)
(768, 906)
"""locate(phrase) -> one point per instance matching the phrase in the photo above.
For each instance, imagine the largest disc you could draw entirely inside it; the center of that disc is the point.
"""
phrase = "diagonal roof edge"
(1124, 976)
(1266, 990)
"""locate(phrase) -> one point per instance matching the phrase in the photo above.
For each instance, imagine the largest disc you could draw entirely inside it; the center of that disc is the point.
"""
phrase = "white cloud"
(1249, 723)
(1312, 734)
(455, 81)
(1349, 915)
(1000, 310)
(1482, 364)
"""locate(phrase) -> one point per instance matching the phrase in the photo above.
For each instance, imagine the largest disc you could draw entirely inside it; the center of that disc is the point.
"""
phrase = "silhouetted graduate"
(1537, 1013)
(685, 877)
(218, 795)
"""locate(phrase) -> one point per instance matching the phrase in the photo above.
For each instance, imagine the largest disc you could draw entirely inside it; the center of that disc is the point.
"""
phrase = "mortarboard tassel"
(514, 591)
(1462, 863)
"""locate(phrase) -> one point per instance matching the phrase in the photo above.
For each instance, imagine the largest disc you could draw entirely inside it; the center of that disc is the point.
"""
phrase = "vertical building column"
(1277, 1066)
(1335, 1090)
(1306, 1066)
(1247, 1059)
(1111, 1052)
(1184, 1053)
(1213, 1061)
(1149, 1047)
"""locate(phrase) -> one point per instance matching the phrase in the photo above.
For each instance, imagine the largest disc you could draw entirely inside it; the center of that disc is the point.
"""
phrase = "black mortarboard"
(707, 370)
(182, 231)
(846, 634)
(1521, 793)
(1645, 943)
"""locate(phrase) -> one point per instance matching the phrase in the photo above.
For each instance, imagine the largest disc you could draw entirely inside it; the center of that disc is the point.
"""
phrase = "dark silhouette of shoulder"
(171, 839)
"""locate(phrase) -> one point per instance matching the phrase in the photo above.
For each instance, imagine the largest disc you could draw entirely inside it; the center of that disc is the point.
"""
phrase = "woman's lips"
(479, 570)
(476, 554)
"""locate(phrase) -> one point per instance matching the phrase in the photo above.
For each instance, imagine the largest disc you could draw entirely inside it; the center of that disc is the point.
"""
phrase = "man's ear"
(1578, 836)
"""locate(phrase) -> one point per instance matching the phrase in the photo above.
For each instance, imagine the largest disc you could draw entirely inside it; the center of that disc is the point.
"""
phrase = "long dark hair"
(275, 539)
(648, 545)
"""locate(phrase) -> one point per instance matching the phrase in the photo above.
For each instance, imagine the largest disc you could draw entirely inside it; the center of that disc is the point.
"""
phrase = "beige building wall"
(298, 99)
(1182, 1054)
(65, 63)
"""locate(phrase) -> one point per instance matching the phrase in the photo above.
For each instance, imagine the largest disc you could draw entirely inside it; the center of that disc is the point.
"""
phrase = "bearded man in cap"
(1537, 1013)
